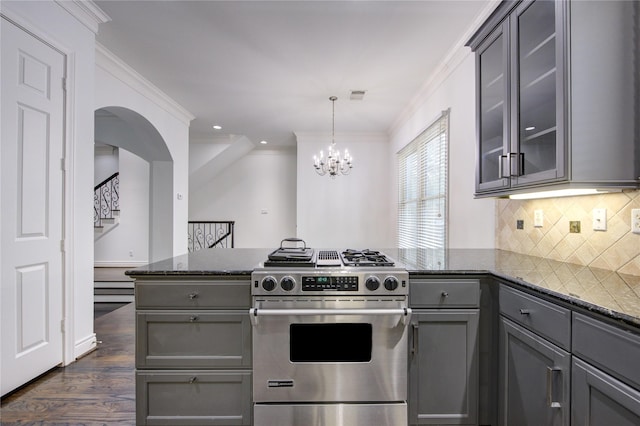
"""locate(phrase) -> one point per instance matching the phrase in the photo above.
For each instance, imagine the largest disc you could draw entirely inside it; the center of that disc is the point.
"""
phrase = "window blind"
(423, 187)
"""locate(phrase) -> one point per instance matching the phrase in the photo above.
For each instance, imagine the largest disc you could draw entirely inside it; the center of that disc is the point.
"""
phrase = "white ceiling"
(266, 69)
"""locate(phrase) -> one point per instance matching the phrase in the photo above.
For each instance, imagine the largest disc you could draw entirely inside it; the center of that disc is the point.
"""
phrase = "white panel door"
(31, 197)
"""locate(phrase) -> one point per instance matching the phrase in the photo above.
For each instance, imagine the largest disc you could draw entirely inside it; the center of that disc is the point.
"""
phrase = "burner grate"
(365, 257)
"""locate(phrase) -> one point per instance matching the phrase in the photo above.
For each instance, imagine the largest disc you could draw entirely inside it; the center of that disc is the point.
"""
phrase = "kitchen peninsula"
(590, 317)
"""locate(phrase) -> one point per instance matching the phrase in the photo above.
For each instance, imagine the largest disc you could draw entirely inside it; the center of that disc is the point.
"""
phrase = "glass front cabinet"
(557, 84)
(520, 97)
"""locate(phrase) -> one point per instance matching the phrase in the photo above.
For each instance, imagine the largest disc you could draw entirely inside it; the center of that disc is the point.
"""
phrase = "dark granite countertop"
(219, 261)
(614, 295)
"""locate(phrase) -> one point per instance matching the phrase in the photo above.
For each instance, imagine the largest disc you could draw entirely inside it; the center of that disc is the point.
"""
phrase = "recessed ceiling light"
(216, 127)
(529, 128)
(263, 142)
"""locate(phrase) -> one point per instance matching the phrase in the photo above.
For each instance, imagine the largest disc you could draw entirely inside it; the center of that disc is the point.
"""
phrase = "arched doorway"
(125, 129)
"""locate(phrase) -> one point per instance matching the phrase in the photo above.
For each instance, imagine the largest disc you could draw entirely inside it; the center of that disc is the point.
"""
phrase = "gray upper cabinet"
(556, 83)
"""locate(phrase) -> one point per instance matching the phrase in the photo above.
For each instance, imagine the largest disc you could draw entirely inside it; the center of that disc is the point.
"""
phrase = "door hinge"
(63, 165)
(62, 325)
(64, 84)
(63, 247)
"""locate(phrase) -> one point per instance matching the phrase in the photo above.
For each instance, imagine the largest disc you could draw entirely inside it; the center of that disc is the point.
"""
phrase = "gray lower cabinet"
(597, 399)
(193, 397)
(605, 387)
(443, 360)
(193, 351)
(534, 379)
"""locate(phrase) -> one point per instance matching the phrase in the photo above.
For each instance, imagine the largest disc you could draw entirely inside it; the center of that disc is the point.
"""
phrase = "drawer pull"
(193, 319)
(193, 296)
(193, 379)
(414, 343)
(525, 312)
(444, 294)
(554, 375)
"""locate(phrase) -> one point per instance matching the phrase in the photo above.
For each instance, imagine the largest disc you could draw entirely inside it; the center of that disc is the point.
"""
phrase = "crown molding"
(85, 11)
(456, 56)
(110, 63)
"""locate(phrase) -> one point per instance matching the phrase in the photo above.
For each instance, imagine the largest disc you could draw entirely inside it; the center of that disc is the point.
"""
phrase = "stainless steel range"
(330, 339)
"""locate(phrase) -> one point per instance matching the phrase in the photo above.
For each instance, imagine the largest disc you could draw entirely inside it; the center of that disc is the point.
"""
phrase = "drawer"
(444, 293)
(193, 398)
(193, 294)
(193, 339)
(610, 348)
(547, 319)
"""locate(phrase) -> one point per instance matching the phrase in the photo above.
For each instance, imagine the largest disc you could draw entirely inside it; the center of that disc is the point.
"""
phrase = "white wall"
(348, 211)
(119, 85)
(127, 244)
(261, 180)
(471, 221)
(105, 163)
(51, 22)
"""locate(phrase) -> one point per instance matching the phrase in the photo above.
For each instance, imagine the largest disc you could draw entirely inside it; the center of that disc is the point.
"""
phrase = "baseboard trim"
(84, 346)
(118, 264)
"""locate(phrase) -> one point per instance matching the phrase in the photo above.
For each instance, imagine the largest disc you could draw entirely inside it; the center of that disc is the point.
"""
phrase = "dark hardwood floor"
(98, 389)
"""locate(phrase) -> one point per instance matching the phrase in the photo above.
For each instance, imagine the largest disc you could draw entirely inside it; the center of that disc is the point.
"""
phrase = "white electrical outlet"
(599, 219)
(635, 221)
(538, 218)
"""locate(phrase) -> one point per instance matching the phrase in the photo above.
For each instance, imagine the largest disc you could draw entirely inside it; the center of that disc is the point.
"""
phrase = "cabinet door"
(443, 367)
(493, 122)
(598, 399)
(537, 107)
(534, 379)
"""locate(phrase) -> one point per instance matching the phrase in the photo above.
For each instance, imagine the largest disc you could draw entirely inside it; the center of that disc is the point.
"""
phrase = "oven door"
(328, 350)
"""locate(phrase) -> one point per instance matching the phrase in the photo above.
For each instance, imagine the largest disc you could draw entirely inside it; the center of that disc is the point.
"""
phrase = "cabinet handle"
(193, 379)
(193, 295)
(516, 167)
(444, 294)
(525, 311)
(193, 319)
(501, 166)
(551, 375)
(414, 343)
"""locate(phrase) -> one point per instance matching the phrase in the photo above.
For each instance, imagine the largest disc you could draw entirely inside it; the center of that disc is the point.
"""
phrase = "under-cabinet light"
(558, 193)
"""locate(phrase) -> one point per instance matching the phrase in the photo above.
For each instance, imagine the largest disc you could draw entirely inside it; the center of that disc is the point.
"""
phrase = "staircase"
(106, 205)
(210, 234)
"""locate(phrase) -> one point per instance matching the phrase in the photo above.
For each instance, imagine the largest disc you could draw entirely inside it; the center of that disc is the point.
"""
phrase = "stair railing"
(209, 234)
(106, 200)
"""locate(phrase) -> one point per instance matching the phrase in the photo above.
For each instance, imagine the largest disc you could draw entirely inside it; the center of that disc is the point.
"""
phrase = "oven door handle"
(254, 312)
(403, 313)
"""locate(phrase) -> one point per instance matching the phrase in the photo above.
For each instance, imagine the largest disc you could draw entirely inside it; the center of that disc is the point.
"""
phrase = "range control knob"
(269, 283)
(391, 283)
(372, 283)
(287, 283)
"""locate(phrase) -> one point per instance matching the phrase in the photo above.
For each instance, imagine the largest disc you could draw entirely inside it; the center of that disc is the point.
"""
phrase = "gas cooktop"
(309, 258)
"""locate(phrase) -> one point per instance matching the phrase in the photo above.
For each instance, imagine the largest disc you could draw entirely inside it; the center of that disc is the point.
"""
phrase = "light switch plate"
(599, 219)
(635, 221)
(538, 218)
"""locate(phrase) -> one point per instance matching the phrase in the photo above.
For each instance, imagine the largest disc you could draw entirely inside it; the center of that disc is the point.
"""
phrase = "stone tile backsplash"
(616, 249)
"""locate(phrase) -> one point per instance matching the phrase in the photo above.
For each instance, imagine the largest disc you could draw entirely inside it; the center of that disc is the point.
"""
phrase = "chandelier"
(334, 163)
